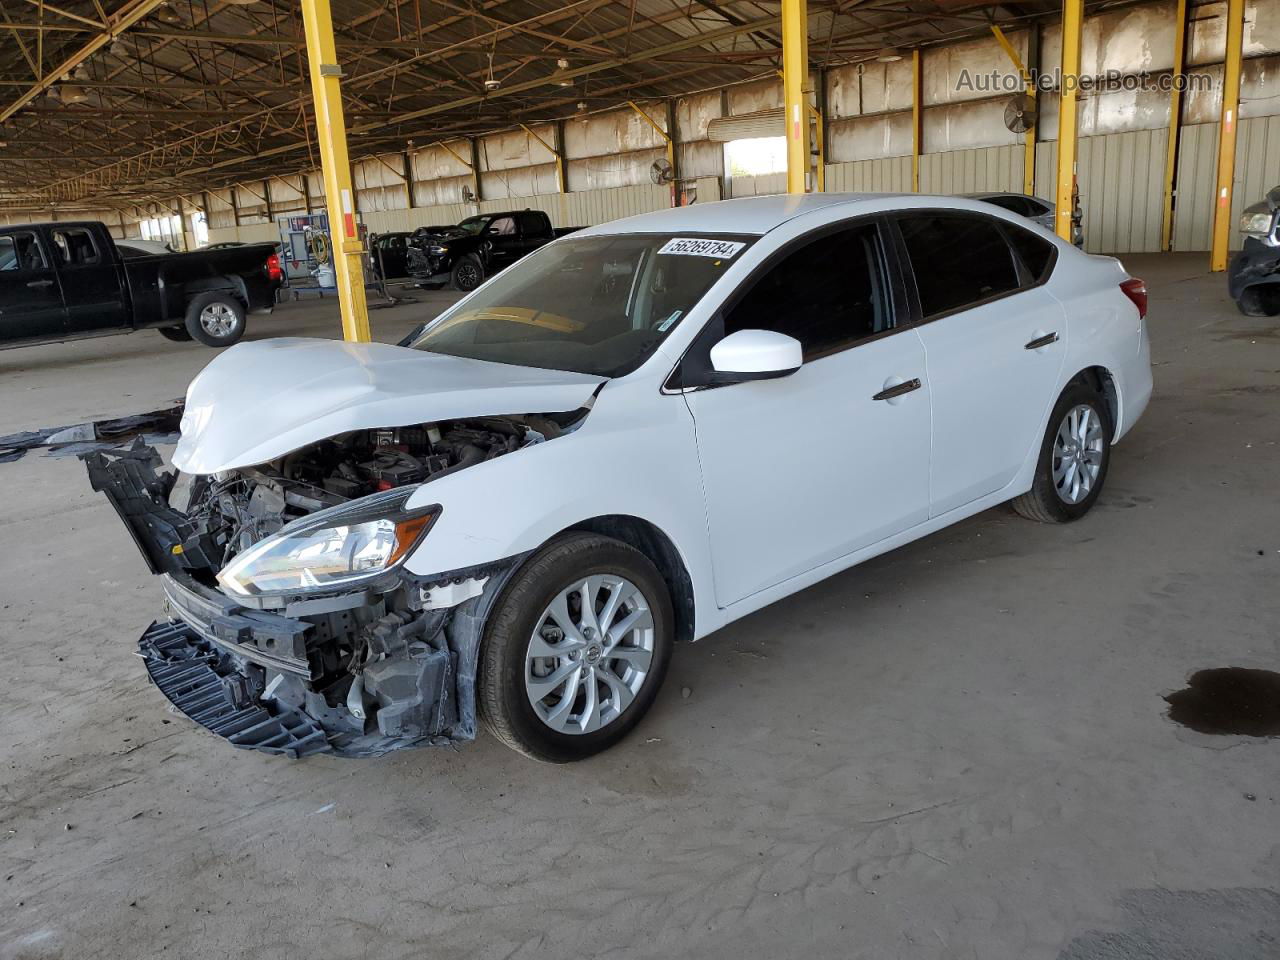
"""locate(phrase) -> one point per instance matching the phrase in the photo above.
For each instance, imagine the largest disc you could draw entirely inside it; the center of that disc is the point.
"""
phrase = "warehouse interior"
(961, 748)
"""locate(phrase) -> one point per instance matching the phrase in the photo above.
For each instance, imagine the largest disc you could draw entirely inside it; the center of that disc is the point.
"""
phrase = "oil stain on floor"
(1229, 700)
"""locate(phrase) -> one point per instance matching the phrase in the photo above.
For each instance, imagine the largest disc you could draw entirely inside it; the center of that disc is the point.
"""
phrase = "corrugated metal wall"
(972, 171)
(1120, 177)
(1257, 171)
(889, 174)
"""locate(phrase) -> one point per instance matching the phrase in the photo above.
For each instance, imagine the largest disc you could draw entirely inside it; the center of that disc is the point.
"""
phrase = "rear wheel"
(178, 334)
(215, 319)
(1074, 457)
(575, 650)
(467, 273)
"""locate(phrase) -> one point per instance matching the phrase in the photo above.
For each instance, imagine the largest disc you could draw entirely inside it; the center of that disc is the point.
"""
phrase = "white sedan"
(633, 437)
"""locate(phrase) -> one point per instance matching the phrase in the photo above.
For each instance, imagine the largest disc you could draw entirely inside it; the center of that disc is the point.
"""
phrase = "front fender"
(635, 454)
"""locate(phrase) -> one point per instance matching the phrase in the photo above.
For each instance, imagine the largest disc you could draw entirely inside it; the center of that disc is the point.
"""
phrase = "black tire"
(177, 334)
(1261, 300)
(1042, 502)
(220, 301)
(467, 273)
(501, 694)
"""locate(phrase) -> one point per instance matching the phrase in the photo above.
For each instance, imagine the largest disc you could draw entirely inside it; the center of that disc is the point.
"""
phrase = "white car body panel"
(260, 400)
(786, 490)
(990, 394)
(762, 487)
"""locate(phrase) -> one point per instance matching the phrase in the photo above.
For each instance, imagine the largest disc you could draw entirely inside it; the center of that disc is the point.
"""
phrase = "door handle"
(1044, 341)
(40, 283)
(888, 393)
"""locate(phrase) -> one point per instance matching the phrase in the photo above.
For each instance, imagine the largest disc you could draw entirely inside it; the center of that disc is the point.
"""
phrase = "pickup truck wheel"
(178, 334)
(575, 649)
(467, 273)
(215, 319)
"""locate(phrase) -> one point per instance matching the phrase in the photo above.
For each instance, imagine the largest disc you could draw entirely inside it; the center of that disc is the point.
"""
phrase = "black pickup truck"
(466, 255)
(63, 281)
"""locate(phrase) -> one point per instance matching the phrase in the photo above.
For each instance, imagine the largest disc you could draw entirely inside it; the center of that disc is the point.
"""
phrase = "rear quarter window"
(958, 260)
(1036, 253)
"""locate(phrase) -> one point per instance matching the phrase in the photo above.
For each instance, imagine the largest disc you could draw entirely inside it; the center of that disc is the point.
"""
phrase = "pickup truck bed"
(63, 281)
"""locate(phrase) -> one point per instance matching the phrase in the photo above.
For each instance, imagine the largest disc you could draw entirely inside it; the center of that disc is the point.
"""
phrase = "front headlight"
(1256, 224)
(332, 549)
(437, 250)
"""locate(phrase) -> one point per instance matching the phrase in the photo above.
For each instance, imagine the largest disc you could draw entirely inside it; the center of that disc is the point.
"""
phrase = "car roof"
(745, 215)
(756, 216)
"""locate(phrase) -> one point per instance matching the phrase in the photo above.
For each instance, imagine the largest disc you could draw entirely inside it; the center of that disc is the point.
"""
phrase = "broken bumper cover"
(198, 679)
(253, 678)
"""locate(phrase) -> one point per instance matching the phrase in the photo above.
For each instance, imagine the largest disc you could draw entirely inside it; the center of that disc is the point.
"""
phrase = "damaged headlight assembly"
(332, 550)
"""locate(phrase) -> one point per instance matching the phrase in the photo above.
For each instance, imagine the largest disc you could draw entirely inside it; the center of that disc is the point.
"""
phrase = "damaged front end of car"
(293, 626)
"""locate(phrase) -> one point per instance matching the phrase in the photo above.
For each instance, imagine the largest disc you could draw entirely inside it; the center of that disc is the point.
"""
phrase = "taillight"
(273, 267)
(1136, 290)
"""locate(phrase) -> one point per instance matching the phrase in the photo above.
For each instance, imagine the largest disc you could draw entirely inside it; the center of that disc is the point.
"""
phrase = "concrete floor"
(957, 750)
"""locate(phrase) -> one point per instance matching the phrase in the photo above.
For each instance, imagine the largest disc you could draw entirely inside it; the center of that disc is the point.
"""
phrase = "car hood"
(260, 400)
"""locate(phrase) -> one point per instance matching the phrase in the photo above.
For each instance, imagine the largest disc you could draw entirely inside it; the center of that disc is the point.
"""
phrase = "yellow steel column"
(1227, 135)
(1068, 120)
(1175, 126)
(917, 133)
(331, 133)
(795, 77)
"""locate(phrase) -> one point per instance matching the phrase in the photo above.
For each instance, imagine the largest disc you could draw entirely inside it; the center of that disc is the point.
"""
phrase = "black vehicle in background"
(63, 281)
(389, 254)
(1253, 277)
(466, 255)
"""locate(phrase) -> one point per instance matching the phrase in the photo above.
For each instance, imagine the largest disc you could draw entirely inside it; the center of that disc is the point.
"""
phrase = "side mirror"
(756, 355)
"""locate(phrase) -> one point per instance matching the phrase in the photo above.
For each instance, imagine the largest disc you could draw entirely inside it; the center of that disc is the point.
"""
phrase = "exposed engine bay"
(357, 671)
(236, 510)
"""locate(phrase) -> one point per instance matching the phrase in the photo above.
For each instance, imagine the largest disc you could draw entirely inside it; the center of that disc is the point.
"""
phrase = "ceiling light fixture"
(561, 66)
(888, 55)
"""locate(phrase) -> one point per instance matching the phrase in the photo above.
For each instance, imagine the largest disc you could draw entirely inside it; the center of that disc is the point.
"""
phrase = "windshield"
(598, 305)
(473, 225)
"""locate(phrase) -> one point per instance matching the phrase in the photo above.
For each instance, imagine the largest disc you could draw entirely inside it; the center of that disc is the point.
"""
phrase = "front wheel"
(575, 650)
(1074, 457)
(215, 319)
(467, 273)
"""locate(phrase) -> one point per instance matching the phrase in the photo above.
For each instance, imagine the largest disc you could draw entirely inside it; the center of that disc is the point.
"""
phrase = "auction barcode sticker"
(693, 247)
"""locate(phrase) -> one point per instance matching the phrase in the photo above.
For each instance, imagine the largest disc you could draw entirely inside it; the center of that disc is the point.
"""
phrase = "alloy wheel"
(218, 320)
(1078, 449)
(589, 654)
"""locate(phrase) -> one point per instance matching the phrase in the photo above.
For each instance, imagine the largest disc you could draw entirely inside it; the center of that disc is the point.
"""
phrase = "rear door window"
(21, 251)
(532, 225)
(958, 260)
(75, 247)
